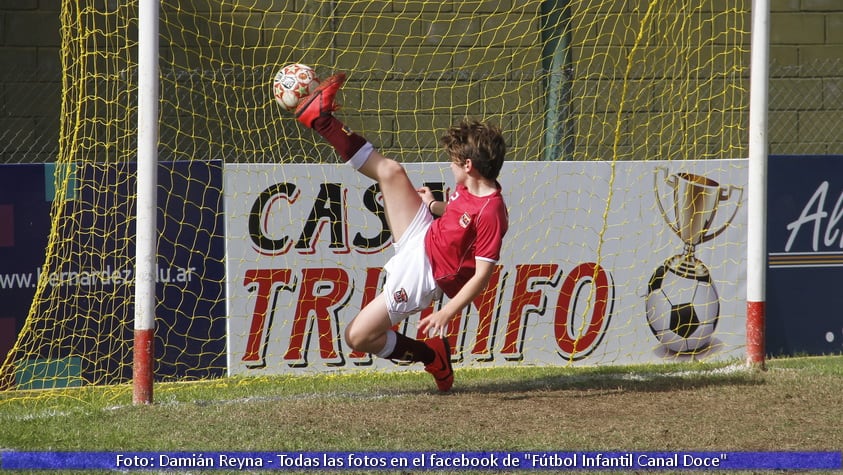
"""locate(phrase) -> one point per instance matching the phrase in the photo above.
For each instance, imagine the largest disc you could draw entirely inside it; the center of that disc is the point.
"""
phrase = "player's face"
(459, 171)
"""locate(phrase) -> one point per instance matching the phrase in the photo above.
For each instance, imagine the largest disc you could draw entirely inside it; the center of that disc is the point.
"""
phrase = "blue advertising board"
(25, 201)
(85, 335)
(805, 255)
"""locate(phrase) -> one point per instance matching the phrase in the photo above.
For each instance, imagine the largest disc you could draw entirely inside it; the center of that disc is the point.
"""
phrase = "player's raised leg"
(400, 198)
(401, 201)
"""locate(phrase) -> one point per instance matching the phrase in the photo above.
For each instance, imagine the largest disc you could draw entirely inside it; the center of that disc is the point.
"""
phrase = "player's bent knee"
(357, 340)
(351, 337)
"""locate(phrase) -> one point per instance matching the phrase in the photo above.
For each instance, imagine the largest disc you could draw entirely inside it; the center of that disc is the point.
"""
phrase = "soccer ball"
(682, 311)
(293, 83)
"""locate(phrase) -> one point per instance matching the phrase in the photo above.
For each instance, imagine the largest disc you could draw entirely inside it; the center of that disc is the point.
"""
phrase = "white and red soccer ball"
(293, 83)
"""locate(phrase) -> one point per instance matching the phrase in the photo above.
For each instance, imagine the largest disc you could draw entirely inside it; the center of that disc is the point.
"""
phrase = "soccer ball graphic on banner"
(293, 83)
(682, 311)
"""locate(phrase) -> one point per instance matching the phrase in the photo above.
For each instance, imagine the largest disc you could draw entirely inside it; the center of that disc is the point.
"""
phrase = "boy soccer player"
(454, 254)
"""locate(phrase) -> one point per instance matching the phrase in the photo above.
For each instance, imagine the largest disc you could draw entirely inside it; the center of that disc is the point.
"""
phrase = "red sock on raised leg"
(344, 141)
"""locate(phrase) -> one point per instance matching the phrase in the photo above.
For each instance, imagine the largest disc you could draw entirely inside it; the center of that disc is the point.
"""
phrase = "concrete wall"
(806, 86)
(30, 80)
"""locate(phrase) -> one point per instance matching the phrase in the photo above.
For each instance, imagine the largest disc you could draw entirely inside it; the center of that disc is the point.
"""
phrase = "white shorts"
(409, 286)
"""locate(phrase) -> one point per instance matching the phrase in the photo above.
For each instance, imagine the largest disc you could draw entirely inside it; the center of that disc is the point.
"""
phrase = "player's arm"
(437, 322)
(436, 208)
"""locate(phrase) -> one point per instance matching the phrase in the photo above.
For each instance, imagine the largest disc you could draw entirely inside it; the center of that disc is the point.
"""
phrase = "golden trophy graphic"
(682, 302)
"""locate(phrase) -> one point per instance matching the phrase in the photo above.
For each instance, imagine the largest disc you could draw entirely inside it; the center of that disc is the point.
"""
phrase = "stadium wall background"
(806, 85)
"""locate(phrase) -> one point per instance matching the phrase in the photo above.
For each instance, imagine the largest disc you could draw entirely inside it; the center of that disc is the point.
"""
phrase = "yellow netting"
(577, 80)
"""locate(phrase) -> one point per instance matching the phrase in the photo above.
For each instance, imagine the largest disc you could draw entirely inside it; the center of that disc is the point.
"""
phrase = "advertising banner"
(25, 200)
(805, 255)
(604, 263)
(83, 316)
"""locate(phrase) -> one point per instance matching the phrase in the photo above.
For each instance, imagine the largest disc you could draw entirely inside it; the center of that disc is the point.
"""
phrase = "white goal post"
(147, 234)
(757, 185)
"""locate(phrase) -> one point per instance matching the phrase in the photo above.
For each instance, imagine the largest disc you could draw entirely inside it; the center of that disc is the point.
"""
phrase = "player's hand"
(425, 194)
(435, 324)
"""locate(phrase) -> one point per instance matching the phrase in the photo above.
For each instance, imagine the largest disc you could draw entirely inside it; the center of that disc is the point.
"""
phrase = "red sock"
(344, 141)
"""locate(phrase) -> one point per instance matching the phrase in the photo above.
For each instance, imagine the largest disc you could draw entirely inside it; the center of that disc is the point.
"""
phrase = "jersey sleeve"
(492, 225)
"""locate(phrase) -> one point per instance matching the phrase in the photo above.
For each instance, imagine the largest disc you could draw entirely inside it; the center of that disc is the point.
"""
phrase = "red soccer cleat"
(320, 101)
(441, 368)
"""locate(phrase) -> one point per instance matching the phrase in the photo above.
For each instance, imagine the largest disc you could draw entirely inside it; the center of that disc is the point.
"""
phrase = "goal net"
(625, 123)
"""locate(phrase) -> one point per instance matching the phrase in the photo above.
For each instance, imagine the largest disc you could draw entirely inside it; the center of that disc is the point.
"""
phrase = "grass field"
(794, 405)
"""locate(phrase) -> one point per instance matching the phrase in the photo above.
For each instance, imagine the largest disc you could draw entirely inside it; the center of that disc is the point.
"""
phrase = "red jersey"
(471, 228)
